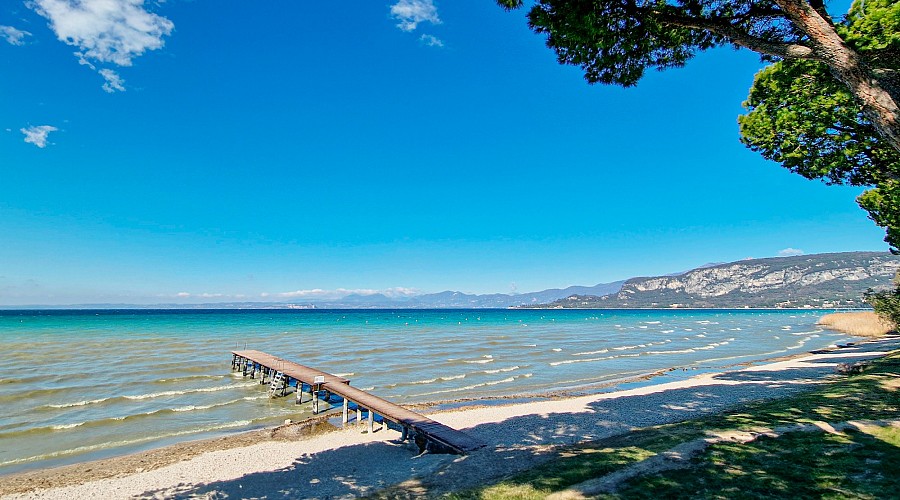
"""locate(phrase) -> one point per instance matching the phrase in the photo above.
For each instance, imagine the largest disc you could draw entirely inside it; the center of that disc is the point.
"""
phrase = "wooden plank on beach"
(435, 431)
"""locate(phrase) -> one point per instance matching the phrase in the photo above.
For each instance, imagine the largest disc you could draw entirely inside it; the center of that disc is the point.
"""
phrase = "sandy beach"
(304, 461)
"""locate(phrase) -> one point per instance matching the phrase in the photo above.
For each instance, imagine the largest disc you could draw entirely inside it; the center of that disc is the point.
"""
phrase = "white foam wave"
(127, 442)
(66, 426)
(591, 353)
(503, 370)
(188, 391)
(79, 403)
(476, 386)
(676, 351)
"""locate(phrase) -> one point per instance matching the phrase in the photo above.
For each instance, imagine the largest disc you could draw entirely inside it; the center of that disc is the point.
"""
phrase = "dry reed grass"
(863, 323)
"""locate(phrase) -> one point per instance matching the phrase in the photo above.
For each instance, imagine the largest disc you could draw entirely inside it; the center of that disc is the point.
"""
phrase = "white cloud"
(105, 31)
(431, 41)
(114, 82)
(37, 135)
(412, 12)
(790, 252)
(13, 36)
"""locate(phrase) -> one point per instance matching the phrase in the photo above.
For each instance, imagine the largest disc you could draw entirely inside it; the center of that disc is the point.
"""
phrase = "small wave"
(625, 348)
(66, 426)
(585, 360)
(79, 403)
(677, 351)
(652, 322)
(189, 391)
(127, 442)
(476, 386)
(453, 377)
(477, 361)
(189, 377)
(667, 331)
(502, 370)
(87, 402)
(591, 353)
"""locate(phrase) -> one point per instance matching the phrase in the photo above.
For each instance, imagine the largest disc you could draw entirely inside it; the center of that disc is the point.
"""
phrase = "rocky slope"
(822, 280)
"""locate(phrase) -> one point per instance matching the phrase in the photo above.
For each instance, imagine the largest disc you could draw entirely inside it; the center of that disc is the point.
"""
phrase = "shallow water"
(80, 385)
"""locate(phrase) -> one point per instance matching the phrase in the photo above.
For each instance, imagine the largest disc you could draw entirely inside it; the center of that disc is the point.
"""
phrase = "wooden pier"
(427, 433)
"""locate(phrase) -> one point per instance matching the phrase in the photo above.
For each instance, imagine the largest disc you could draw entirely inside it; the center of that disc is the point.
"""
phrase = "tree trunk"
(880, 104)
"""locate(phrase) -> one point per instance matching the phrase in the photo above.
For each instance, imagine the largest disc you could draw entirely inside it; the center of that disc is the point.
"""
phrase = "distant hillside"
(459, 300)
(821, 280)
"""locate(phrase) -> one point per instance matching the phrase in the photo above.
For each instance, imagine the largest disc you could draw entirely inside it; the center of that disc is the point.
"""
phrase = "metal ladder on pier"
(278, 385)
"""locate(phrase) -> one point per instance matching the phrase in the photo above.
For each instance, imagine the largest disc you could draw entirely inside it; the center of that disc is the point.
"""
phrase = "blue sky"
(219, 150)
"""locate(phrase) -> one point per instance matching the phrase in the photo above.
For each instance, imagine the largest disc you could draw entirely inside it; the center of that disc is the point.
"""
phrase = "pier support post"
(346, 409)
(371, 421)
(404, 434)
(384, 423)
(358, 414)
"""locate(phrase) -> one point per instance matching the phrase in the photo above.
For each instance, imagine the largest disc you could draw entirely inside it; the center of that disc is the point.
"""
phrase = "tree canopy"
(827, 106)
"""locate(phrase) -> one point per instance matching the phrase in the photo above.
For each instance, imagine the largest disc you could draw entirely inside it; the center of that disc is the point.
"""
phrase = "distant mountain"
(459, 300)
(821, 280)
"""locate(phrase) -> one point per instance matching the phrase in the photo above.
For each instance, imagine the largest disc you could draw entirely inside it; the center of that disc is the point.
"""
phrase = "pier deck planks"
(296, 371)
(436, 431)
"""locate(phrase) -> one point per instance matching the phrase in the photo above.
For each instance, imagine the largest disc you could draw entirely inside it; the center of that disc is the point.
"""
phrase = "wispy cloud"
(790, 252)
(431, 41)
(114, 82)
(339, 293)
(105, 31)
(13, 36)
(37, 135)
(412, 12)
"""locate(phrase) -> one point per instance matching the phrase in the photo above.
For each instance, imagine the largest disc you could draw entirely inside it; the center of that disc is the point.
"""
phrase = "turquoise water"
(80, 385)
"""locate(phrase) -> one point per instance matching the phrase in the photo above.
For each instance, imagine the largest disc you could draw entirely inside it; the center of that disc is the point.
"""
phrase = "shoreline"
(319, 433)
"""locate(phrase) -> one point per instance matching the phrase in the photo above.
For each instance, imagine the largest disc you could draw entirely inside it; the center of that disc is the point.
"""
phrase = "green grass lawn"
(819, 464)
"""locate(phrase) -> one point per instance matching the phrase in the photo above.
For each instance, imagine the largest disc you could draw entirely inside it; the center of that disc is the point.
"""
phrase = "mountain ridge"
(818, 280)
(756, 287)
